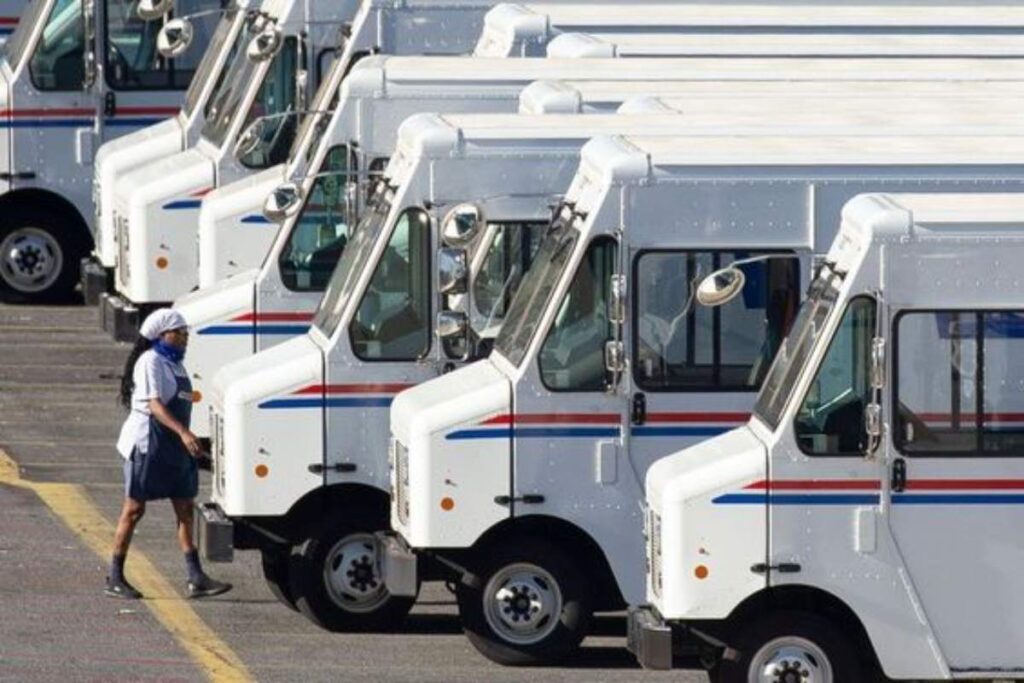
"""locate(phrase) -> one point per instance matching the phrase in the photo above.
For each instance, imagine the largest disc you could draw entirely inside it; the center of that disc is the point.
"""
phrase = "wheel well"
(51, 202)
(806, 599)
(320, 504)
(579, 544)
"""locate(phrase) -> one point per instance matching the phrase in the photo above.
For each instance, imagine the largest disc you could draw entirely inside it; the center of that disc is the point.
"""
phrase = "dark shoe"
(206, 587)
(119, 588)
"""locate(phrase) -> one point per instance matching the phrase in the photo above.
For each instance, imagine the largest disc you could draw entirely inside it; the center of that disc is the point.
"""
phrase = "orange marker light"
(447, 504)
(161, 263)
(701, 572)
(262, 471)
(197, 396)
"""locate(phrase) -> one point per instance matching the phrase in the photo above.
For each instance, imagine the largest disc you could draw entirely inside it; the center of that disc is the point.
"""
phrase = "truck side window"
(572, 357)
(959, 383)
(58, 62)
(132, 61)
(276, 95)
(393, 321)
(681, 345)
(830, 420)
(322, 229)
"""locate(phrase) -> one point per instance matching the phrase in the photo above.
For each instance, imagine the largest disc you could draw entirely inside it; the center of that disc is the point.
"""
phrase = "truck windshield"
(17, 45)
(313, 125)
(209, 60)
(797, 346)
(535, 290)
(356, 255)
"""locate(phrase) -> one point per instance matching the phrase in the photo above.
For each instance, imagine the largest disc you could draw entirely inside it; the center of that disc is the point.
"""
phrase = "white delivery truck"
(528, 29)
(869, 513)
(410, 27)
(523, 473)
(74, 73)
(299, 431)
(170, 136)
(260, 308)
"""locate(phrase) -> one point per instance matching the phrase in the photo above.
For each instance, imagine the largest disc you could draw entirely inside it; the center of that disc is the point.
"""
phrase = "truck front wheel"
(275, 571)
(39, 256)
(789, 646)
(336, 583)
(531, 605)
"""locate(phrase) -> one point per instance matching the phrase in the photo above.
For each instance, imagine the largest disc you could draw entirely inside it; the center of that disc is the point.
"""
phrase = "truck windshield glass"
(509, 254)
(234, 82)
(529, 303)
(797, 346)
(830, 420)
(210, 56)
(306, 140)
(356, 253)
(15, 48)
(321, 230)
(58, 62)
(274, 100)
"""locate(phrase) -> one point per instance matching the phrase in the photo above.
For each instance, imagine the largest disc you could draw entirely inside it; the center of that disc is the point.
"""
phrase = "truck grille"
(401, 493)
(654, 551)
(123, 263)
(217, 448)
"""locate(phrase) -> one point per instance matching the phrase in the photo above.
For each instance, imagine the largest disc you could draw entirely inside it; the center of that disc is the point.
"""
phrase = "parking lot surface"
(61, 488)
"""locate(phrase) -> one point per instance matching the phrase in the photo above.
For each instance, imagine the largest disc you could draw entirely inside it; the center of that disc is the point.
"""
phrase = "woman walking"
(158, 449)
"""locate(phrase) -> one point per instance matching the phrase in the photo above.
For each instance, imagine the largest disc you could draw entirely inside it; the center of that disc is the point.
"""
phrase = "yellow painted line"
(72, 505)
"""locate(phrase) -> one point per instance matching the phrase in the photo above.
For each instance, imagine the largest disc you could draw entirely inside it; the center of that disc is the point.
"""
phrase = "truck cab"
(527, 469)
(170, 136)
(74, 74)
(865, 515)
(155, 206)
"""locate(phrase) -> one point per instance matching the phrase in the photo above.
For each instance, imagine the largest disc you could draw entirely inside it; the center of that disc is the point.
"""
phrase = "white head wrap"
(159, 321)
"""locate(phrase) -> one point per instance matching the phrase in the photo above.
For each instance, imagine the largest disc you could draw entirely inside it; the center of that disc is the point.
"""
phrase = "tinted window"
(275, 99)
(58, 62)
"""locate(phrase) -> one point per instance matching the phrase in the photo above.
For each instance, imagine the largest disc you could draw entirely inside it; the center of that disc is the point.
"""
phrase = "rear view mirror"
(873, 421)
(877, 363)
(251, 138)
(148, 10)
(451, 324)
(614, 357)
(720, 287)
(452, 270)
(175, 37)
(265, 44)
(462, 224)
(283, 202)
(617, 300)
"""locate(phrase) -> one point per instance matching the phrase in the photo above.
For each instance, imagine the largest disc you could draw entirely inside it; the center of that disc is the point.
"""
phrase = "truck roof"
(807, 13)
(396, 70)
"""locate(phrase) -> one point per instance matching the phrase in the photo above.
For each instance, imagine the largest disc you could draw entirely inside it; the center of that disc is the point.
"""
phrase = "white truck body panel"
(922, 566)
(685, 193)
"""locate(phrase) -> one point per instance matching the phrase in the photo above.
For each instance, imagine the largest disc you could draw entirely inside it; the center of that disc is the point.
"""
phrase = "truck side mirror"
(617, 300)
(877, 363)
(452, 270)
(251, 138)
(174, 38)
(265, 44)
(148, 10)
(721, 286)
(462, 224)
(451, 324)
(873, 421)
(283, 202)
(89, 32)
(614, 357)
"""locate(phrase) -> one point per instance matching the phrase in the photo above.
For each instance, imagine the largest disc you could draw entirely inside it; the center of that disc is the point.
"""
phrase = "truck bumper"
(398, 564)
(119, 318)
(649, 638)
(215, 536)
(96, 280)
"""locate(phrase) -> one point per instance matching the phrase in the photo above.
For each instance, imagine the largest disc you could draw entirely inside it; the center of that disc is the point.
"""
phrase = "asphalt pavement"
(59, 422)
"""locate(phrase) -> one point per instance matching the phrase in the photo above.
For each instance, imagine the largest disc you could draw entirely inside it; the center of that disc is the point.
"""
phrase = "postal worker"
(158, 449)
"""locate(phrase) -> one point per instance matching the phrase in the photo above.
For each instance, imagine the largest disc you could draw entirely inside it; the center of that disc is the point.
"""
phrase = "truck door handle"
(782, 568)
(898, 483)
(317, 468)
(528, 499)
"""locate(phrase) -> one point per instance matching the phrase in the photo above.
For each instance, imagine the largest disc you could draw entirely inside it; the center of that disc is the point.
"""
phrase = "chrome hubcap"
(522, 603)
(350, 574)
(30, 260)
(790, 660)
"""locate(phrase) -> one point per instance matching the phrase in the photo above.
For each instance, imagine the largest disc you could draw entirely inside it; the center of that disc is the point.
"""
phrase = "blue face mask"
(172, 353)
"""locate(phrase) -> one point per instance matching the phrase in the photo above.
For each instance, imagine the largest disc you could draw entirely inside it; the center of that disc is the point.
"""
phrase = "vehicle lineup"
(695, 315)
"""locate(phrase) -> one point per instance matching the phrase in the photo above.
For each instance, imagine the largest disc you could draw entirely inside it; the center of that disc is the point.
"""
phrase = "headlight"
(217, 450)
(400, 463)
(653, 532)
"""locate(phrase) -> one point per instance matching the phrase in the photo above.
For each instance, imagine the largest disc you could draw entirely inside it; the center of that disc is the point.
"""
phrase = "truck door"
(141, 87)
(957, 478)
(696, 369)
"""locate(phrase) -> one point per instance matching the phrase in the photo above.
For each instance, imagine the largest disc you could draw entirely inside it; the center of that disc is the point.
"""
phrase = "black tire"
(748, 651)
(275, 571)
(513, 569)
(331, 606)
(40, 237)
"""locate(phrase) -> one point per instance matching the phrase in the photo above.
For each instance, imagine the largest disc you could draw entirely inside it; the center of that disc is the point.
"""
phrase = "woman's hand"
(191, 442)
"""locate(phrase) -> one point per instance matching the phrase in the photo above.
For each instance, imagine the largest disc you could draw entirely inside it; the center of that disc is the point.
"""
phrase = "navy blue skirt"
(148, 478)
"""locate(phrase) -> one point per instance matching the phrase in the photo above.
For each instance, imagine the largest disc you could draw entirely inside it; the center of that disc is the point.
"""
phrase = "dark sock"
(195, 570)
(117, 568)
